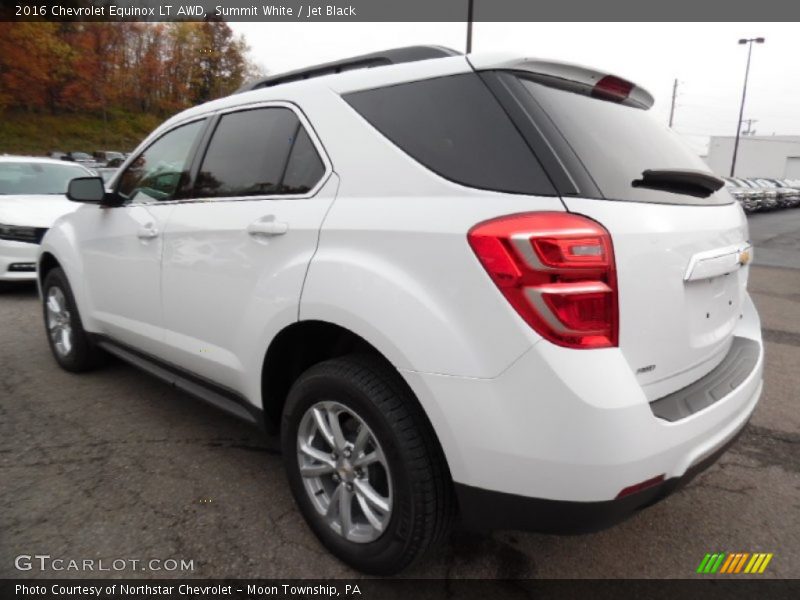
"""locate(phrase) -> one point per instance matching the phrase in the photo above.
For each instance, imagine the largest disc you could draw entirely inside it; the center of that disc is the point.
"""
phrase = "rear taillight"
(612, 88)
(557, 271)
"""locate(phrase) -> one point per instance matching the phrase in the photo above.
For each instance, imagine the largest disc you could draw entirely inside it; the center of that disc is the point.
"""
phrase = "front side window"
(258, 152)
(159, 172)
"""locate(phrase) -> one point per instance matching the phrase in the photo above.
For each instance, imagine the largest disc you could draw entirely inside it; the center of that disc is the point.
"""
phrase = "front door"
(122, 246)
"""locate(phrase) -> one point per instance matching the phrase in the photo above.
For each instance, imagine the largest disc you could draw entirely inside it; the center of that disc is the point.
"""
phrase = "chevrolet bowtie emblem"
(745, 256)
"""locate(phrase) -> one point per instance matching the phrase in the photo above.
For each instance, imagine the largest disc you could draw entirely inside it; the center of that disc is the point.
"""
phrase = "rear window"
(305, 167)
(456, 128)
(247, 154)
(259, 152)
(616, 143)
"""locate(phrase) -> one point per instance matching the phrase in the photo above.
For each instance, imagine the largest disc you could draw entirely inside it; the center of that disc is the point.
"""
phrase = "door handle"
(147, 232)
(267, 227)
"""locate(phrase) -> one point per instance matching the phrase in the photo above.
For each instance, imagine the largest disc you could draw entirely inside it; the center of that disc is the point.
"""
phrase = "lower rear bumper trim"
(488, 510)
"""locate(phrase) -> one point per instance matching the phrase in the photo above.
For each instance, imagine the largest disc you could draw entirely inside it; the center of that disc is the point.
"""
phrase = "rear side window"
(455, 127)
(249, 155)
(305, 167)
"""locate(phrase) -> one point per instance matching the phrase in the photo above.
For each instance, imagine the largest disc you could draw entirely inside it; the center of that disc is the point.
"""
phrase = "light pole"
(749, 42)
(469, 26)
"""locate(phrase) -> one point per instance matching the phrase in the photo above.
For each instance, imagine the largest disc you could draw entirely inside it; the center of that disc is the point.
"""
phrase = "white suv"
(484, 287)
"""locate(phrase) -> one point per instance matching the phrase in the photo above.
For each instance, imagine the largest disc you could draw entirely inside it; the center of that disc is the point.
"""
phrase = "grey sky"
(705, 58)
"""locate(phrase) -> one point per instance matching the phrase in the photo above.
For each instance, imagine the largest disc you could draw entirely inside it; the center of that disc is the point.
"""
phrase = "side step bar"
(204, 390)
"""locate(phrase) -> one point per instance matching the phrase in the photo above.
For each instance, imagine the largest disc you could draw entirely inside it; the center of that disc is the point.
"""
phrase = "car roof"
(371, 71)
(365, 61)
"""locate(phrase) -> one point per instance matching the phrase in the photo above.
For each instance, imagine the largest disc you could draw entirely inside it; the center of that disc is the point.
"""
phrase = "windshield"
(618, 143)
(37, 178)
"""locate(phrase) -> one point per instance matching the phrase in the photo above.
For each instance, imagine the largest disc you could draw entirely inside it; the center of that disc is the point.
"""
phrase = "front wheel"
(364, 464)
(69, 343)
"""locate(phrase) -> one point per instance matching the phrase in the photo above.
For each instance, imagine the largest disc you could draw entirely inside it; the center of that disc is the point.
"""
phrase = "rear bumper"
(576, 428)
(17, 253)
(486, 510)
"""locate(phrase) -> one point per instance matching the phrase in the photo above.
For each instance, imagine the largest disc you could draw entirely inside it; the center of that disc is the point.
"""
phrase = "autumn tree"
(34, 64)
(100, 67)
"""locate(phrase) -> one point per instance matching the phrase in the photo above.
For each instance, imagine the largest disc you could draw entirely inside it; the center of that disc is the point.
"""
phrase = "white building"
(772, 156)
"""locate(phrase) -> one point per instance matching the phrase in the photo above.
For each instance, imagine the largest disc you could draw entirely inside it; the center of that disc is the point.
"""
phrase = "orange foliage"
(94, 67)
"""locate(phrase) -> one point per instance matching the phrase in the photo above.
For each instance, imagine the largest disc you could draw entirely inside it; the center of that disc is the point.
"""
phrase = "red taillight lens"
(557, 271)
(612, 88)
(640, 487)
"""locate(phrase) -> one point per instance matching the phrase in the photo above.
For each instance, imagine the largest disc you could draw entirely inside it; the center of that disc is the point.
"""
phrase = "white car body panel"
(122, 271)
(413, 295)
(672, 331)
(552, 426)
(29, 210)
(34, 210)
(17, 252)
(213, 267)
(381, 250)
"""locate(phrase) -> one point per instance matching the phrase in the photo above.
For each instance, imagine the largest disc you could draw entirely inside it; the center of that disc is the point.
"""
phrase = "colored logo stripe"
(703, 563)
(734, 563)
(711, 563)
(727, 564)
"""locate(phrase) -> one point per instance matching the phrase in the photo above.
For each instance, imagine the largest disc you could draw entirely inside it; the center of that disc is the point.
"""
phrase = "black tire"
(83, 354)
(423, 505)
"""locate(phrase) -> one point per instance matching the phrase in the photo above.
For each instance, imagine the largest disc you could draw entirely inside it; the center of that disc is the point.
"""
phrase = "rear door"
(236, 252)
(679, 247)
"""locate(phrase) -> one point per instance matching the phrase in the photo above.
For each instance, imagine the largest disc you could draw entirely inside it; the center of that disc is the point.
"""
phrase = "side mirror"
(90, 190)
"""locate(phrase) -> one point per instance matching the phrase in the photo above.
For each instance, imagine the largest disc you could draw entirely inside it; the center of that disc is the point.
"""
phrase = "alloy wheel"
(59, 321)
(344, 471)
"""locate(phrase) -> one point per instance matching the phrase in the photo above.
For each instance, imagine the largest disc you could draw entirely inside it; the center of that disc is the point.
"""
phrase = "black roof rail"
(365, 61)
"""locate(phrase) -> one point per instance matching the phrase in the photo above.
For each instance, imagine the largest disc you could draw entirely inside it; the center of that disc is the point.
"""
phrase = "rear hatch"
(680, 240)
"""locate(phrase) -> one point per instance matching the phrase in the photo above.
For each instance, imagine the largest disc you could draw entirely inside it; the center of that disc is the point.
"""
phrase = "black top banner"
(401, 10)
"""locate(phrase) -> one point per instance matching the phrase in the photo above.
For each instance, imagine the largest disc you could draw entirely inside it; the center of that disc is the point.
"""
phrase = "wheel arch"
(47, 262)
(296, 348)
(302, 344)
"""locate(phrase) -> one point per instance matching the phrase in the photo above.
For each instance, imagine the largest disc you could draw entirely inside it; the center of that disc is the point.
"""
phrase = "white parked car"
(32, 197)
(484, 287)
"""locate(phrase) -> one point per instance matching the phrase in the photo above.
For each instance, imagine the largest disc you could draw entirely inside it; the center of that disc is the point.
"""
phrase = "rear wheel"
(364, 465)
(71, 346)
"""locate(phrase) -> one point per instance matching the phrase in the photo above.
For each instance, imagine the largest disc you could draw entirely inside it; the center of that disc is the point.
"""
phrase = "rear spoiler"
(568, 76)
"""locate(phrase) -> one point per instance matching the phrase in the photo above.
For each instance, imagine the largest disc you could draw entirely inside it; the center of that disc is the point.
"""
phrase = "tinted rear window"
(455, 127)
(305, 167)
(616, 143)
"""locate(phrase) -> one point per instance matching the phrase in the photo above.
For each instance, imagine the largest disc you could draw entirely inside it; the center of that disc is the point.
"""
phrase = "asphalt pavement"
(116, 465)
